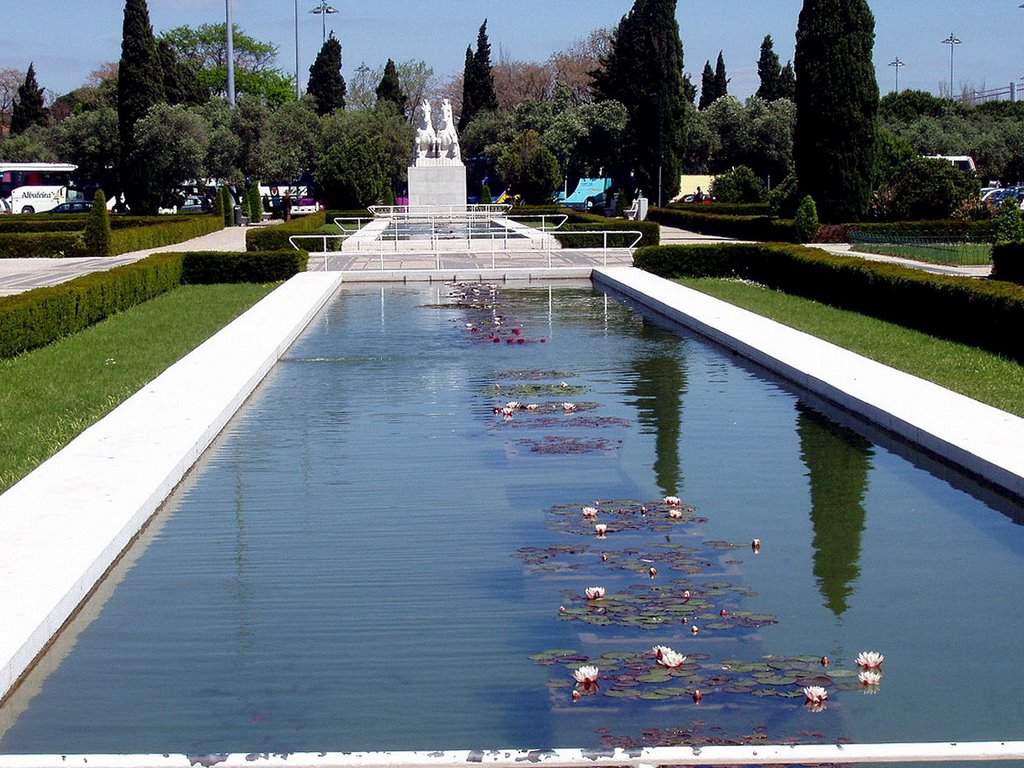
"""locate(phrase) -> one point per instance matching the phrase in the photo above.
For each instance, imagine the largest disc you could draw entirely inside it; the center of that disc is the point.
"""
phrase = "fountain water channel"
(370, 557)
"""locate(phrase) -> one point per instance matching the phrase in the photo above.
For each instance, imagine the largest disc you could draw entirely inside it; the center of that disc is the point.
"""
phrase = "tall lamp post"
(952, 41)
(297, 87)
(896, 63)
(231, 53)
(323, 9)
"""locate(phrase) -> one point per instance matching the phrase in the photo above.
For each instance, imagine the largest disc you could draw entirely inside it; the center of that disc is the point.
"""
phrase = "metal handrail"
(325, 238)
(646, 757)
(347, 219)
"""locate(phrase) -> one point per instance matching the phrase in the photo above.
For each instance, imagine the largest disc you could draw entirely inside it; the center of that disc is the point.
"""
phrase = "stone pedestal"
(431, 184)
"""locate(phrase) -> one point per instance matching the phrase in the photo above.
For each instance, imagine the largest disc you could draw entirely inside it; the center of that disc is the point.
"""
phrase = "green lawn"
(967, 370)
(955, 254)
(50, 395)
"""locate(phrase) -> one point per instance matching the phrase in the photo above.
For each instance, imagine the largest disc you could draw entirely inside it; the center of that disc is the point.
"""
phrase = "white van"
(964, 162)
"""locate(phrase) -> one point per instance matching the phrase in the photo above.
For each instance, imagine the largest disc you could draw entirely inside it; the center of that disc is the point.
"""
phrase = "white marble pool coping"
(68, 521)
(984, 441)
(63, 526)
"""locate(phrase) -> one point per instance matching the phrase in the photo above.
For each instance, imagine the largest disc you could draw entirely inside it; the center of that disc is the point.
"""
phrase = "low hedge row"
(1008, 262)
(724, 209)
(983, 313)
(974, 231)
(167, 230)
(764, 228)
(45, 222)
(650, 231)
(275, 238)
(43, 315)
(41, 245)
(205, 267)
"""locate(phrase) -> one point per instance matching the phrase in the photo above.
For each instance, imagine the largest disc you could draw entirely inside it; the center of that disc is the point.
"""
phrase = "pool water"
(369, 555)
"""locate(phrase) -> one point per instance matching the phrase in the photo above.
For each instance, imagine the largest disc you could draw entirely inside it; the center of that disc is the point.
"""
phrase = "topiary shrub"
(806, 220)
(205, 267)
(96, 236)
(227, 206)
(485, 195)
(1009, 225)
(784, 199)
(740, 185)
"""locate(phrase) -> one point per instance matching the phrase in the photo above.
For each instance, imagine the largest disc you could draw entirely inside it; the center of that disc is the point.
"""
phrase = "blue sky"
(67, 39)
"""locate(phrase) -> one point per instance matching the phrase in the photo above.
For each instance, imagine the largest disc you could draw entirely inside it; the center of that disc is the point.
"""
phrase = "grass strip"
(956, 254)
(50, 395)
(980, 375)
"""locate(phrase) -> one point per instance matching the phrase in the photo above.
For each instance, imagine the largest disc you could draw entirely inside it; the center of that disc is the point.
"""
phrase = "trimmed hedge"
(204, 267)
(275, 238)
(1008, 262)
(40, 316)
(739, 227)
(166, 231)
(45, 222)
(974, 231)
(984, 313)
(43, 315)
(724, 209)
(41, 245)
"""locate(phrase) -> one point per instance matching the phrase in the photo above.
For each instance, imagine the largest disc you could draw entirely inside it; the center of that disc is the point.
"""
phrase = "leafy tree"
(290, 144)
(836, 138)
(588, 137)
(90, 139)
(1009, 223)
(326, 84)
(530, 169)
(182, 84)
(707, 87)
(925, 188)
(140, 86)
(392, 131)
(478, 93)
(352, 173)
(575, 66)
(740, 185)
(28, 109)
(721, 80)
(96, 234)
(644, 71)
(10, 80)
(205, 48)
(29, 146)
(170, 143)
(390, 88)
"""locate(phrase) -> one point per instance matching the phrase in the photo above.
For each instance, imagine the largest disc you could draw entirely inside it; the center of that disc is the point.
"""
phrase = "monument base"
(437, 185)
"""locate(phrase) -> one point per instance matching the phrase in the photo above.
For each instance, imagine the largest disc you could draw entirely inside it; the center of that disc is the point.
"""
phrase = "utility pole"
(231, 54)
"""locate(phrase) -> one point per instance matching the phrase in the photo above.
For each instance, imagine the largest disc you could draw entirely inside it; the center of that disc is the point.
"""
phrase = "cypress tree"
(721, 81)
(28, 109)
(325, 81)
(390, 89)
(707, 86)
(139, 87)
(643, 69)
(787, 82)
(768, 70)
(469, 108)
(478, 93)
(836, 135)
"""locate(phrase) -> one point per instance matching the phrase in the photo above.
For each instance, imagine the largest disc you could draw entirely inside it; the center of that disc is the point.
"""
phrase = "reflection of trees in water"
(660, 384)
(838, 461)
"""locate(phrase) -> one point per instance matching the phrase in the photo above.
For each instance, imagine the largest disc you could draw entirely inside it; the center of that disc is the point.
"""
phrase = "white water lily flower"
(586, 675)
(594, 593)
(815, 694)
(870, 677)
(590, 511)
(673, 501)
(568, 407)
(870, 659)
(601, 529)
(659, 650)
(671, 659)
(675, 513)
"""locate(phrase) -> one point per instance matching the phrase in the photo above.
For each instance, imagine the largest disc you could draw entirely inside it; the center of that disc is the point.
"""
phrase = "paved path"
(19, 275)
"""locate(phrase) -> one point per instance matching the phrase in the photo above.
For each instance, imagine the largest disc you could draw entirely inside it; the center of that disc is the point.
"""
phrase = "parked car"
(194, 204)
(73, 206)
(305, 205)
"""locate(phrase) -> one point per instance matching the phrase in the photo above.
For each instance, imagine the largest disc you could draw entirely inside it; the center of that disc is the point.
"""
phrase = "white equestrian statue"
(426, 138)
(448, 139)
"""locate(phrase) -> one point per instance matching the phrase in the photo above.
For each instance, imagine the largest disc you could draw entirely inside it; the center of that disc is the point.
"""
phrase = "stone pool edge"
(982, 440)
(67, 522)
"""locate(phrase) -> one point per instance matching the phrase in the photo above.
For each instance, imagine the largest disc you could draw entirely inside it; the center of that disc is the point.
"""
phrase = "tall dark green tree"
(140, 85)
(181, 78)
(787, 82)
(689, 90)
(769, 70)
(390, 88)
(28, 109)
(326, 84)
(707, 87)
(836, 134)
(478, 93)
(721, 78)
(643, 69)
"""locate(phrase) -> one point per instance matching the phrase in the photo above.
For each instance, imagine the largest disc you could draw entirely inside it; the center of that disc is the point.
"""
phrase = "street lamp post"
(896, 63)
(297, 87)
(231, 53)
(952, 41)
(323, 9)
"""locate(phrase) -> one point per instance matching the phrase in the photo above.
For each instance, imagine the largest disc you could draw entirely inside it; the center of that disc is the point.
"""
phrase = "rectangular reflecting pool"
(374, 556)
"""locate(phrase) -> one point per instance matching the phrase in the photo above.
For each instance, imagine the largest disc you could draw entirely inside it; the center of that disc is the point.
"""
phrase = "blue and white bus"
(35, 187)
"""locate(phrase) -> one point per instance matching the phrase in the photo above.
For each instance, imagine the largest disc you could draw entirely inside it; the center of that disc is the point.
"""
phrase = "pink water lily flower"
(870, 659)
(586, 675)
(815, 695)
(675, 513)
(671, 659)
(568, 407)
(594, 593)
(673, 501)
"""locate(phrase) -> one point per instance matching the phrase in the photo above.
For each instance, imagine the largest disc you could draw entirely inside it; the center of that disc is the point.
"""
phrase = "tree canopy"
(326, 84)
(390, 88)
(478, 94)
(28, 109)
